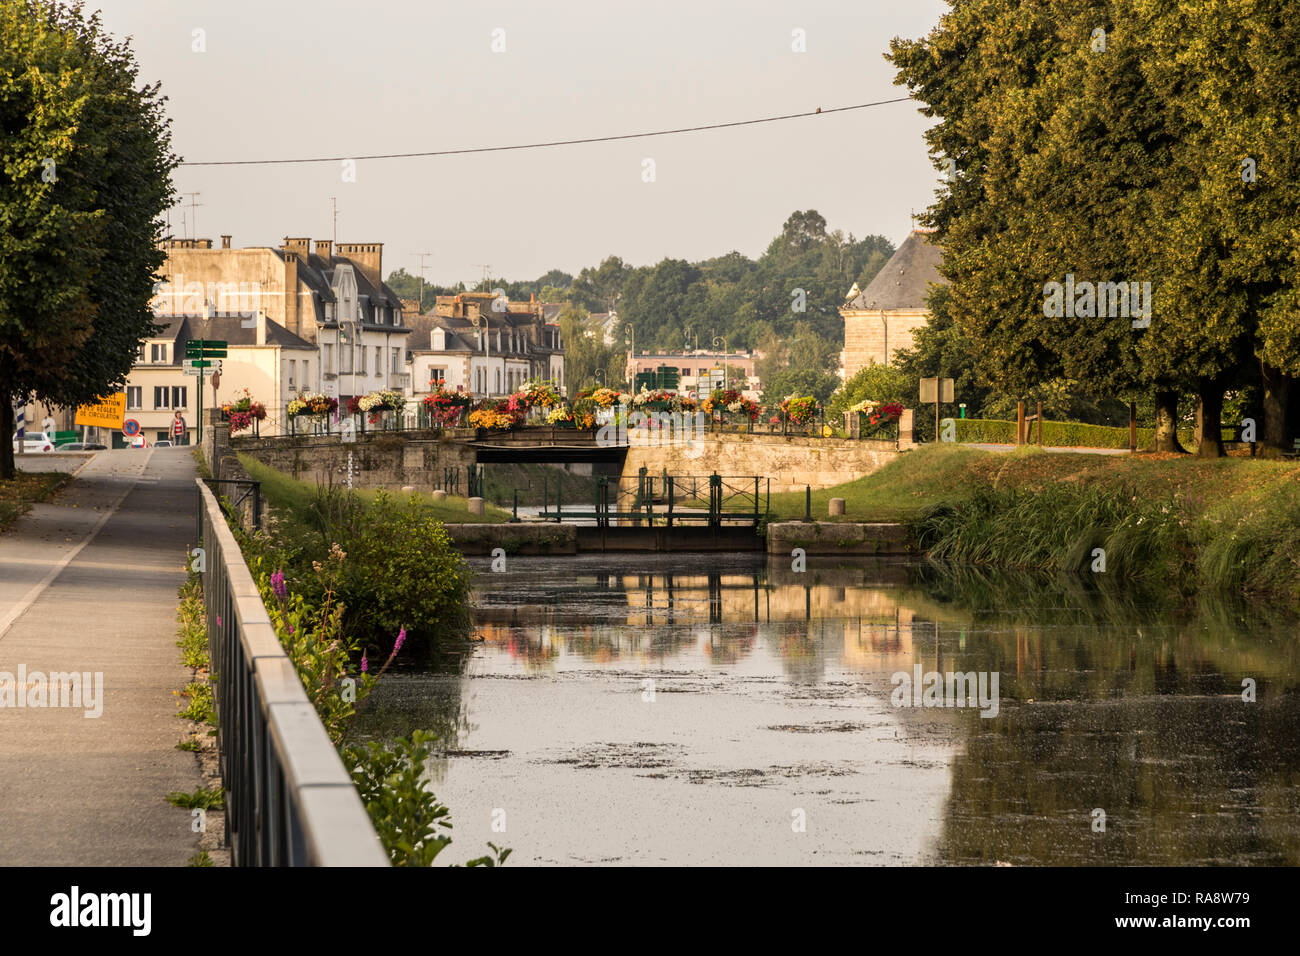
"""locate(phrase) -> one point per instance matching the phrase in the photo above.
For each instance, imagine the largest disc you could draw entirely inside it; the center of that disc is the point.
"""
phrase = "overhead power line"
(561, 142)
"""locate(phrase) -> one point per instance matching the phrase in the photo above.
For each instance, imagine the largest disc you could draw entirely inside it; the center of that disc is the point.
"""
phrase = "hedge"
(1058, 434)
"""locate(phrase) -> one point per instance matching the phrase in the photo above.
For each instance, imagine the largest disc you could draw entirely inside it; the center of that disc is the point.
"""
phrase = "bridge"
(547, 445)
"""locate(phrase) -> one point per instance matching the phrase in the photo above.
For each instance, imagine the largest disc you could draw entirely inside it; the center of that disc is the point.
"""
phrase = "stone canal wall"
(792, 463)
(837, 537)
(388, 461)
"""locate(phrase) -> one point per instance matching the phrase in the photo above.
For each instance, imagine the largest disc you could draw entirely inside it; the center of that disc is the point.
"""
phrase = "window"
(438, 376)
(161, 397)
(498, 380)
(180, 396)
(158, 353)
(139, 353)
(379, 361)
(397, 360)
(329, 360)
(686, 373)
(306, 373)
(361, 353)
(134, 398)
(345, 359)
(293, 372)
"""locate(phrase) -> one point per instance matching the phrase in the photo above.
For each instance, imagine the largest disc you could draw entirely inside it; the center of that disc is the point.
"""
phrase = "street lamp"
(722, 340)
(631, 355)
(600, 376)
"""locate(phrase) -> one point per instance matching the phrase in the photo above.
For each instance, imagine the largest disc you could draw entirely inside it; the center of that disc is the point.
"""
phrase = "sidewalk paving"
(88, 583)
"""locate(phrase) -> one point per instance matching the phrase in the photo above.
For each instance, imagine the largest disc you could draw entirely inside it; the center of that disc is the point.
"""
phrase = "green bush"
(1055, 434)
(401, 572)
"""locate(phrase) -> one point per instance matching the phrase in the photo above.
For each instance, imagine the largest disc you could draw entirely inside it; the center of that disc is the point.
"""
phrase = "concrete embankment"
(838, 537)
(814, 537)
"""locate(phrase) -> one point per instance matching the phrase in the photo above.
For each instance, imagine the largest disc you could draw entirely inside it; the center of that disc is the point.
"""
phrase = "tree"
(795, 381)
(85, 167)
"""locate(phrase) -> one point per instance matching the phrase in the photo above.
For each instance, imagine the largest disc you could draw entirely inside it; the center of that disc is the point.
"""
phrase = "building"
(331, 296)
(880, 320)
(698, 370)
(266, 359)
(489, 353)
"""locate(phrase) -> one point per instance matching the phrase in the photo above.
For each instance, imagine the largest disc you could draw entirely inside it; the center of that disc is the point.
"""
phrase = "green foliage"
(411, 823)
(86, 166)
(201, 706)
(199, 859)
(203, 798)
(819, 385)
(878, 383)
(402, 572)
(1055, 434)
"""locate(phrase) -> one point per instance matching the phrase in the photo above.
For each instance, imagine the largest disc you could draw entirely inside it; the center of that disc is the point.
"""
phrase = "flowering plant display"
(243, 411)
(499, 413)
(541, 393)
(560, 415)
(887, 414)
(444, 407)
(313, 403)
(799, 409)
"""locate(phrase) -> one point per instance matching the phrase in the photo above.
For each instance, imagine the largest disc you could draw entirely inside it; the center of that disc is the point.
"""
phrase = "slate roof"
(225, 328)
(904, 282)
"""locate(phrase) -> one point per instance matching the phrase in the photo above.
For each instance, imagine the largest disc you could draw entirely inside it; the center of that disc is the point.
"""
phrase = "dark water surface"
(696, 709)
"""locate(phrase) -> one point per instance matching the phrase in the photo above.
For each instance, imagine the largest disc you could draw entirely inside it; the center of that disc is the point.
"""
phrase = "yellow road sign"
(108, 412)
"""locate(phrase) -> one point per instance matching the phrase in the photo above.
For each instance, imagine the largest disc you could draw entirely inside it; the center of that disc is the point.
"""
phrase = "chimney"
(225, 242)
(369, 257)
(410, 307)
(299, 247)
(291, 294)
(325, 249)
(261, 327)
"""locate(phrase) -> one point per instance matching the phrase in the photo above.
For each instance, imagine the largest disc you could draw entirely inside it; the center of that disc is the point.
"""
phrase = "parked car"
(34, 442)
(162, 443)
(81, 446)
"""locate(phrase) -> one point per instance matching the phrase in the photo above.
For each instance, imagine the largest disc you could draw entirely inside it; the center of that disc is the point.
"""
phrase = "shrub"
(401, 572)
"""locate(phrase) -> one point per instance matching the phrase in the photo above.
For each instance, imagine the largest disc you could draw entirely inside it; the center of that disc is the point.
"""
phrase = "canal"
(696, 709)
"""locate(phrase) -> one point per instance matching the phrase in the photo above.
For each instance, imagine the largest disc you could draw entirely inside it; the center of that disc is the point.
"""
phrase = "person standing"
(48, 425)
(178, 429)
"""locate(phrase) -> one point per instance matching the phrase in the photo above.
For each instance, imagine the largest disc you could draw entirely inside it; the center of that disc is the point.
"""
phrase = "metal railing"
(289, 799)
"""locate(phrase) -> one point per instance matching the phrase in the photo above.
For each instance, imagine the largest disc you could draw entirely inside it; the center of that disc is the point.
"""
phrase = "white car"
(34, 443)
(162, 443)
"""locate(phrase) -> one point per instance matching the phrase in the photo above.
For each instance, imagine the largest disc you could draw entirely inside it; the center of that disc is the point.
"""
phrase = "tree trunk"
(1209, 417)
(1277, 389)
(1166, 437)
(6, 425)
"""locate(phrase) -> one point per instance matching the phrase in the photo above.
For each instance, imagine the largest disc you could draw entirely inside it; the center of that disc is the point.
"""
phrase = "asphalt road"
(88, 584)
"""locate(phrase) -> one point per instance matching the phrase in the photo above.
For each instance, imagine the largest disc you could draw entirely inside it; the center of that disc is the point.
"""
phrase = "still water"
(697, 709)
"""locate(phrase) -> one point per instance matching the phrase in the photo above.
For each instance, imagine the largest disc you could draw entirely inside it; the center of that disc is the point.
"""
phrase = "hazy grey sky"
(340, 78)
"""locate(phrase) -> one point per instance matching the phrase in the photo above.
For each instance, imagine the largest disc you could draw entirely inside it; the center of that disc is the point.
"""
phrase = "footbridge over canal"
(423, 458)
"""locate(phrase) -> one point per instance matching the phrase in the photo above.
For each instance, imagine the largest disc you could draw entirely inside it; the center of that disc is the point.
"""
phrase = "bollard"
(440, 495)
(476, 506)
(515, 517)
(837, 506)
(807, 502)
(408, 489)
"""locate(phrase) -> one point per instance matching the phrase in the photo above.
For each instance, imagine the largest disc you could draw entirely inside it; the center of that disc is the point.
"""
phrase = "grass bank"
(293, 498)
(26, 489)
(1230, 523)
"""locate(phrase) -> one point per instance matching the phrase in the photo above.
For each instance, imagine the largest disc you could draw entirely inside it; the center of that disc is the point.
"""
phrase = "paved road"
(88, 583)
(985, 446)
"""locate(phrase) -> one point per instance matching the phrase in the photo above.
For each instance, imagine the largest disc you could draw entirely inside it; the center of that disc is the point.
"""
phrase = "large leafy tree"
(85, 167)
(1102, 138)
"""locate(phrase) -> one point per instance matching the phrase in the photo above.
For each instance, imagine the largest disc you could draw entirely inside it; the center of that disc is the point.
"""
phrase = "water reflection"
(690, 704)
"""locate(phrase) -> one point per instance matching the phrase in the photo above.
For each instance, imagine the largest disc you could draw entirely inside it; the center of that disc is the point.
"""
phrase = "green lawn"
(290, 496)
(24, 490)
(929, 475)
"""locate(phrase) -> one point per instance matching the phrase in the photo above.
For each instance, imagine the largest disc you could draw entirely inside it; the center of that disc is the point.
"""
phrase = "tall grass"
(1058, 528)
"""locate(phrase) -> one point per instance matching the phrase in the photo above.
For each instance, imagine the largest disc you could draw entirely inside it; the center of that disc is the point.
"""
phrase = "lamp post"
(722, 340)
(631, 355)
(600, 376)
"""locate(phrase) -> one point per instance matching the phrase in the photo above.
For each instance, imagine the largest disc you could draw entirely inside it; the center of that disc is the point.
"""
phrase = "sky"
(340, 78)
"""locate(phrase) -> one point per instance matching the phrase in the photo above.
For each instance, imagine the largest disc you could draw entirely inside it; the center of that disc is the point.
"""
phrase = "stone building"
(465, 343)
(879, 321)
(331, 296)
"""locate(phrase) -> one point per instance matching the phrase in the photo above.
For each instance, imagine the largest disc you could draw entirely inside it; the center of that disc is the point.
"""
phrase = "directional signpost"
(199, 356)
